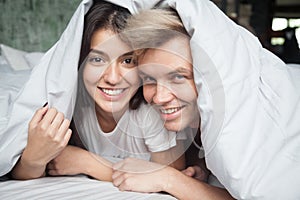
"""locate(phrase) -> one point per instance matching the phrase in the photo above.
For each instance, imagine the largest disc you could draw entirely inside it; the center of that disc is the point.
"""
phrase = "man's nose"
(163, 94)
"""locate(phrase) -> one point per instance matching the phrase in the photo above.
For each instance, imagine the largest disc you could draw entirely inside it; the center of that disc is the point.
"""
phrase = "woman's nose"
(112, 75)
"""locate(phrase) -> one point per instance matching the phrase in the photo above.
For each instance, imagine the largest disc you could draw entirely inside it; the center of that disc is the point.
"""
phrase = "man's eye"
(148, 80)
(178, 78)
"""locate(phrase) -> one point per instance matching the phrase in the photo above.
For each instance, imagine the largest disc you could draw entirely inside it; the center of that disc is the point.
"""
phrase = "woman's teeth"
(112, 92)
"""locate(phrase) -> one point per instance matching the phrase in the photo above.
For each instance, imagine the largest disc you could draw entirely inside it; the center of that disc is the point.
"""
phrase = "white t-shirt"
(137, 134)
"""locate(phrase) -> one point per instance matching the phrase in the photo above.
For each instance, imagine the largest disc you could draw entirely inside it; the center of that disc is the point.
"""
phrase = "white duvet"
(248, 100)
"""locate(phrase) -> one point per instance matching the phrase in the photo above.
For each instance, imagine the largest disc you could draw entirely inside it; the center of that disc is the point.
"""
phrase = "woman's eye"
(94, 60)
(127, 60)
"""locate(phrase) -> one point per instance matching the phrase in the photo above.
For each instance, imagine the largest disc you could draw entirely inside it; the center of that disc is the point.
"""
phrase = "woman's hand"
(74, 160)
(71, 161)
(137, 175)
(48, 135)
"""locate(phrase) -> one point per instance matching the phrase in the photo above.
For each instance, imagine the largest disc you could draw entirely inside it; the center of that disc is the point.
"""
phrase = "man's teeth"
(170, 110)
(113, 92)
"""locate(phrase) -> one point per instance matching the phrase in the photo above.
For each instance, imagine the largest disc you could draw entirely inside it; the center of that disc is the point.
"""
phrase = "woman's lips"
(112, 94)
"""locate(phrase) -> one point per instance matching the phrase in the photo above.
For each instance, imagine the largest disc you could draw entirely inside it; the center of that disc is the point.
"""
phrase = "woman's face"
(168, 83)
(110, 74)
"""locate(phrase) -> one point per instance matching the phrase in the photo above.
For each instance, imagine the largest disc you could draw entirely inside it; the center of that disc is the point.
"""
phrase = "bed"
(233, 66)
(15, 68)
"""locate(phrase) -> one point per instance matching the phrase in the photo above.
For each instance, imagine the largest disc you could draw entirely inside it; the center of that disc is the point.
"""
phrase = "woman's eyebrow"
(98, 52)
(127, 54)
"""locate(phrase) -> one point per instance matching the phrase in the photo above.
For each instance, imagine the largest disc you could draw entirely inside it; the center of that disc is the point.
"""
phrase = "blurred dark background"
(35, 25)
(276, 23)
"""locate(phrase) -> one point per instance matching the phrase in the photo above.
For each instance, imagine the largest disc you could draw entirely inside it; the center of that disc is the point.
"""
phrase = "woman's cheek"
(132, 77)
(92, 74)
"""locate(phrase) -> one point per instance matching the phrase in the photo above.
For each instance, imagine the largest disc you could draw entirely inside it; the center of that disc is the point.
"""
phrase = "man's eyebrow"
(181, 70)
(141, 73)
(189, 73)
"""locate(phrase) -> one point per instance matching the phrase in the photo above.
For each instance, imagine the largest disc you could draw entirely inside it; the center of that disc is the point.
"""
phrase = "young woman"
(110, 117)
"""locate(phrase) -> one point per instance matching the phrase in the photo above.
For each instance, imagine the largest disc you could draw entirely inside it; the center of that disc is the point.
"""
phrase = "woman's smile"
(112, 94)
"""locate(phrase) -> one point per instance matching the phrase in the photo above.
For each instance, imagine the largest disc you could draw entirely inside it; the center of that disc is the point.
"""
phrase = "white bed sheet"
(63, 188)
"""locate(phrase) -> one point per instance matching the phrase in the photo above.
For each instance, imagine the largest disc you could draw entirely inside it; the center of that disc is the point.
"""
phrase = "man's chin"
(171, 126)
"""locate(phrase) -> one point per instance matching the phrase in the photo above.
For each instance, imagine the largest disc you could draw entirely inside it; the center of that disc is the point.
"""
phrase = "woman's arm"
(74, 160)
(156, 178)
(48, 134)
(173, 157)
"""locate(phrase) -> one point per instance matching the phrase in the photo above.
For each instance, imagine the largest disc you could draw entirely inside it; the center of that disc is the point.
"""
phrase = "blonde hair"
(152, 28)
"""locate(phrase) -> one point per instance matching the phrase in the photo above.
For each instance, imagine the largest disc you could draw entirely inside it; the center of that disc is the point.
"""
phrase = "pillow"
(18, 59)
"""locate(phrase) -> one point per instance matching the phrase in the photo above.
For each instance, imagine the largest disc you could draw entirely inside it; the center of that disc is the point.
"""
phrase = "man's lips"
(172, 110)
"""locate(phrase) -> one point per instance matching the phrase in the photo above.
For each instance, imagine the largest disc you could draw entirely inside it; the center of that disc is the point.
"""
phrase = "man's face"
(167, 75)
